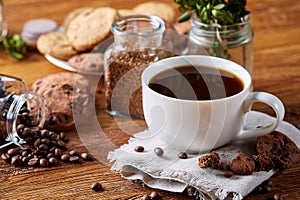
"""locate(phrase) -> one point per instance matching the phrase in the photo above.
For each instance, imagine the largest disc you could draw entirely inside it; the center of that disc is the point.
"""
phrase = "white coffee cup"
(197, 126)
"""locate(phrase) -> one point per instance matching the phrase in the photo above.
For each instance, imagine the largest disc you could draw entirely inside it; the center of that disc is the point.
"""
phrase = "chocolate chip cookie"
(90, 28)
(65, 95)
(55, 44)
(73, 14)
(87, 62)
(159, 9)
(275, 150)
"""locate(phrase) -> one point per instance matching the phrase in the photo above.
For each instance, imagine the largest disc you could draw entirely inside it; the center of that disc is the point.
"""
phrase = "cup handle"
(269, 99)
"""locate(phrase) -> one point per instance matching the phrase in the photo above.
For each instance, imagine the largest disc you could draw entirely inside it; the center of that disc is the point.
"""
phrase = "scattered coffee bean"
(53, 161)
(159, 151)
(54, 136)
(37, 142)
(58, 152)
(145, 197)
(44, 133)
(13, 151)
(74, 159)
(44, 162)
(61, 143)
(139, 149)
(267, 183)
(24, 153)
(190, 191)
(53, 142)
(227, 174)
(277, 196)
(35, 129)
(33, 161)
(20, 128)
(5, 157)
(73, 153)
(96, 186)
(86, 156)
(264, 187)
(16, 160)
(26, 132)
(52, 149)
(50, 155)
(154, 195)
(267, 189)
(45, 141)
(43, 147)
(65, 157)
(182, 155)
(62, 135)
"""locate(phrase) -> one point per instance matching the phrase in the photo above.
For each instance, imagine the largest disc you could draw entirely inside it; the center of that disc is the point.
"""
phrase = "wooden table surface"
(276, 70)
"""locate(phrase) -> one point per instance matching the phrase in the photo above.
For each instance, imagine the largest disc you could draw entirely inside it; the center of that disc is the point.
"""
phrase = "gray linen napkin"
(170, 173)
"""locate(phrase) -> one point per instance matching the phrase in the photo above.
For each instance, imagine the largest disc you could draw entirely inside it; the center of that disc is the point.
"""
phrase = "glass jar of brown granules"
(138, 41)
(17, 106)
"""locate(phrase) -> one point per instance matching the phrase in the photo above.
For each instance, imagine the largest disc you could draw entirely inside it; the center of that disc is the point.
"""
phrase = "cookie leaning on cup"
(65, 94)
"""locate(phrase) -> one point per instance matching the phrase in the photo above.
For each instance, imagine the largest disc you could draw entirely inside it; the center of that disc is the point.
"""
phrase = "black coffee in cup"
(196, 83)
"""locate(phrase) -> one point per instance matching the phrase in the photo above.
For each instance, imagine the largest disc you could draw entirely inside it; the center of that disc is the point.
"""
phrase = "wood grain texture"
(276, 70)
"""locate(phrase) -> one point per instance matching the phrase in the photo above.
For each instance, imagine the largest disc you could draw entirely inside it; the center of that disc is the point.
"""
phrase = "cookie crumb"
(210, 160)
(241, 165)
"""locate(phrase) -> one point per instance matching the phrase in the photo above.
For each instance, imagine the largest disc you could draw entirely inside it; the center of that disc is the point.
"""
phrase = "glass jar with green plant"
(222, 27)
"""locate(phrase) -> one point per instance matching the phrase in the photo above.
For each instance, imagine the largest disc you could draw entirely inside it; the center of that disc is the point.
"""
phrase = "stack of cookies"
(87, 27)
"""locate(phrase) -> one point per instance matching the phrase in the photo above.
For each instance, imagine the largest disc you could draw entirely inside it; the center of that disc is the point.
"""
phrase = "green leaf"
(182, 9)
(15, 46)
(186, 16)
(214, 13)
(219, 6)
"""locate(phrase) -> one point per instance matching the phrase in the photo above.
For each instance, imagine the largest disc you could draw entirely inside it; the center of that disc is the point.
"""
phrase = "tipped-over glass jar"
(138, 41)
(233, 42)
(17, 106)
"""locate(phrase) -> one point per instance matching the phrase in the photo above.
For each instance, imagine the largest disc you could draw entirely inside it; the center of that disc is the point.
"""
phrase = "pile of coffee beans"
(43, 148)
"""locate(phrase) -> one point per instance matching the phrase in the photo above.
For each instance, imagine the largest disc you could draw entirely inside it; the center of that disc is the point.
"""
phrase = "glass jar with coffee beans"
(17, 106)
(139, 40)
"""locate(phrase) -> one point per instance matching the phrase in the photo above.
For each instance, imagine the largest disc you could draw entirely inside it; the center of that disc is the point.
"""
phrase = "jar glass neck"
(234, 35)
(138, 31)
